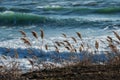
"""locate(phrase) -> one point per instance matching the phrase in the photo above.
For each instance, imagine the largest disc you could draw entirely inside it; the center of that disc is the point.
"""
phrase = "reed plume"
(117, 35)
(62, 43)
(79, 35)
(80, 49)
(42, 33)
(46, 47)
(74, 39)
(68, 43)
(82, 46)
(109, 39)
(56, 48)
(26, 41)
(57, 43)
(16, 54)
(113, 48)
(35, 34)
(32, 63)
(102, 41)
(4, 57)
(23, 33)
(96, 45)
(64, 35)
(67, 47)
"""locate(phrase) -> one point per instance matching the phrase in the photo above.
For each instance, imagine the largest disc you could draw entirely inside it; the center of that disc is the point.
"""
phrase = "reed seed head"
(64, 35)
(79, 35)
(26, 41)
(35, 34)
(74, 39)
(42, 33)
(46, 47)
(23, 33)
(96, 44)
(117, 35)
(57, 43)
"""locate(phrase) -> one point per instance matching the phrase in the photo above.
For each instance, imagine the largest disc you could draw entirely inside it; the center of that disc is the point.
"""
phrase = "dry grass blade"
(23, 33)
(74, 39)
(79, 35)
(42, 33)
(96, 44)
(117, 35)
(26, 41)
(64, 35)
(35, 34)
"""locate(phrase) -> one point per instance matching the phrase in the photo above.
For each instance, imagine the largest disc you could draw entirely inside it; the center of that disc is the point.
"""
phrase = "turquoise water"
(95, 19)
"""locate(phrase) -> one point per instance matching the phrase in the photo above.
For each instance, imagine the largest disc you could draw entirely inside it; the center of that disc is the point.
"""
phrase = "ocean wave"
(12, 18)
(64, 10)
(9, 18)
(79, 10)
